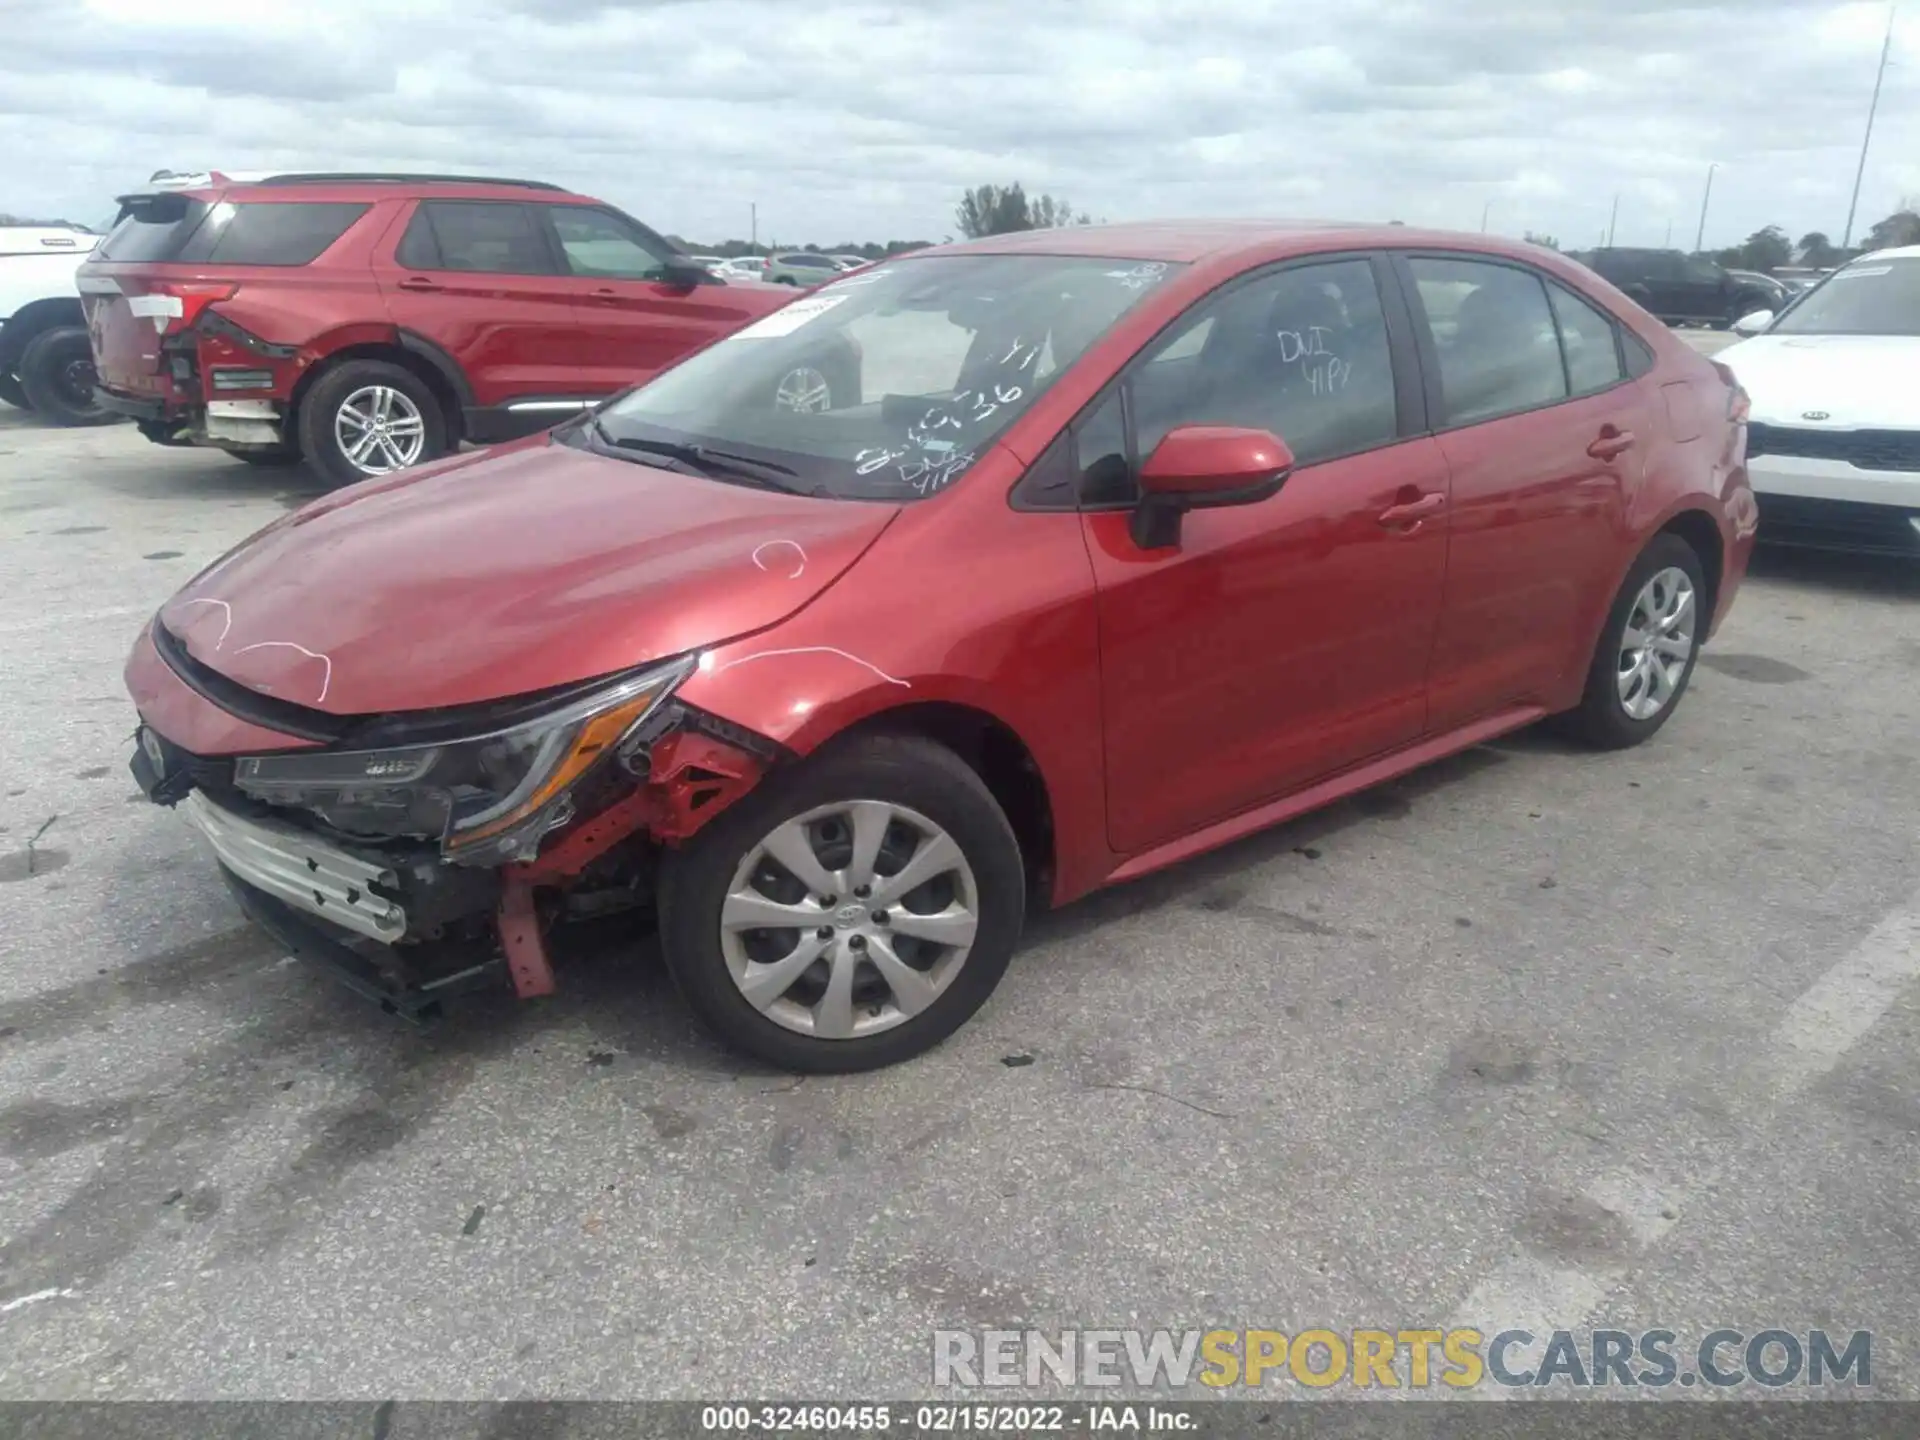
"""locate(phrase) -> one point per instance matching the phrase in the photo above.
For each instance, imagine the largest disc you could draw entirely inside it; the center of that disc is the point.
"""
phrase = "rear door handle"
(420, 282)
(1414, 511)
(1612, 443)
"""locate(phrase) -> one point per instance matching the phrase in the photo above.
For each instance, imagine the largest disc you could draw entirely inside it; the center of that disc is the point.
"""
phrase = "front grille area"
(1839, 525)
(1866, 449)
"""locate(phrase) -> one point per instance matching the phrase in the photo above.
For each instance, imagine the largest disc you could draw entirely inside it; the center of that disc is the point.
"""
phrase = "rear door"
(629, 324)
(1545, 437)
(481, 280)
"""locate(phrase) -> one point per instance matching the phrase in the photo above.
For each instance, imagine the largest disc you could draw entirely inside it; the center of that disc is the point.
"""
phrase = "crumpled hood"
(1857, 380)
(486, 576)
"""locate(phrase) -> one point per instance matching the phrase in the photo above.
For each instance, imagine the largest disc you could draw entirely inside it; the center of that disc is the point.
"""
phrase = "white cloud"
(864, 121)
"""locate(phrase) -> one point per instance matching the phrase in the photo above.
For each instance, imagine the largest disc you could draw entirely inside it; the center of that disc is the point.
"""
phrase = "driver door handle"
(1412, 512)
(1611, 444)
(420, 282)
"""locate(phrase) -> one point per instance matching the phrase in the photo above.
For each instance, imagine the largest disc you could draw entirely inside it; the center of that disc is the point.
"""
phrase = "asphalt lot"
(1535, 1035)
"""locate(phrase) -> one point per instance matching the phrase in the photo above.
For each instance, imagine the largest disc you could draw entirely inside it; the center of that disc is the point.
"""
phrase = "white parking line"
(1819, 1028)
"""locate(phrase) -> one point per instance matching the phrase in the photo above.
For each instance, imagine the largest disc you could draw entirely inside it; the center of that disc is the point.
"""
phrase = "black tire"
(13, 392)
(906, 771)
(1601, 719)
(314, 425)
(56, 373)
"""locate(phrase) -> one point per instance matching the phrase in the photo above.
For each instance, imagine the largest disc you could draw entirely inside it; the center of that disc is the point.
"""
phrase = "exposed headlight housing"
(486, 799)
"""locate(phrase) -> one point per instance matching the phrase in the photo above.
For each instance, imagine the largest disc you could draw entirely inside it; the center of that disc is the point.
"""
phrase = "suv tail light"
(1739, 403)
(194, 296)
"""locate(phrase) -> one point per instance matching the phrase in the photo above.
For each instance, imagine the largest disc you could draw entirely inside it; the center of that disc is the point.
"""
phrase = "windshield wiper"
(715, 464)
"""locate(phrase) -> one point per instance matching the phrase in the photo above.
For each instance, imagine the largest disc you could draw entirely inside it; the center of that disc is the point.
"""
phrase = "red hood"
(494, 575)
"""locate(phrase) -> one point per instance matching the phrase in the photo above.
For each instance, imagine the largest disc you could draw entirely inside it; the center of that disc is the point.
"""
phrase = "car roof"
(1898, 252)
(1192, 240)
(330, 184)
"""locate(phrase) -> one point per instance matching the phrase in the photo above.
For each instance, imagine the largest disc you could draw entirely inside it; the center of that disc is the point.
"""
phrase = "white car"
(1833, 442)
(46, 362)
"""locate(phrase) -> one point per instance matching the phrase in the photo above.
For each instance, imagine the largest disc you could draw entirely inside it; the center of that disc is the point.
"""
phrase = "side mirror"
(684, 274)
(1204, 467)
(1754, 323)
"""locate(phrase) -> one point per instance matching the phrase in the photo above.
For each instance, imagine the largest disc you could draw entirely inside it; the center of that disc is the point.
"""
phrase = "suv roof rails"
(328, 177)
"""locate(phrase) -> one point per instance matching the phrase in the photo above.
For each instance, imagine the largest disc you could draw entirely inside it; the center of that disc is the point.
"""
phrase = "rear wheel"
(369, 417)
(850, 913)
(1647, 649)
(56, 376)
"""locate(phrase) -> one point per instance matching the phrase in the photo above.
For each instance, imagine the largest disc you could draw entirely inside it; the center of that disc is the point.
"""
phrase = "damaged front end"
(419, 855)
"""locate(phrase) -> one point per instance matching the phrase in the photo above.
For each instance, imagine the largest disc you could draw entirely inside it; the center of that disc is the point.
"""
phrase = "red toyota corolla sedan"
(1128, 542)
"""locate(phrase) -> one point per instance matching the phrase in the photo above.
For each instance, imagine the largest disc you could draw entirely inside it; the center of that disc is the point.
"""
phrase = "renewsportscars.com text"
(1399, 1359)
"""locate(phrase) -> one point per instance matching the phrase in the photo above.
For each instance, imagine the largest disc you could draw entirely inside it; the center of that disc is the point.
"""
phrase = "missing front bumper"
(303, 871)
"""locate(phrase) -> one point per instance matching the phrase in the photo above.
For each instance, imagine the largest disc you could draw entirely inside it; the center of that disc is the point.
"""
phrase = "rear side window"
(1494, 336)
(269, 232)
(151, 227)
(1587, 340)
(494, 237)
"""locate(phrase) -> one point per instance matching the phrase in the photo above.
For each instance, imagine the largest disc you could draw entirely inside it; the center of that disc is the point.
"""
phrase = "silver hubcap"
(379, 429)
(803, 390)
(1657, 644)
(849, 919)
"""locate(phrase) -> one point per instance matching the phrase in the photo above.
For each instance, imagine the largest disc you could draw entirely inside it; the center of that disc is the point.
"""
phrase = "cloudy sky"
(865, 121)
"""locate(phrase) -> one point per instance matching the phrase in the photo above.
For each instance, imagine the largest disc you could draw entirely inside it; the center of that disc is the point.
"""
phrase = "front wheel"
(369, 417)
(1647, 649)
(57, 379)
(851, 913)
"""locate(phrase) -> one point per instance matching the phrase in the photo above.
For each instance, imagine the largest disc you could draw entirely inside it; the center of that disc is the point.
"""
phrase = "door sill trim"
(1325, 792)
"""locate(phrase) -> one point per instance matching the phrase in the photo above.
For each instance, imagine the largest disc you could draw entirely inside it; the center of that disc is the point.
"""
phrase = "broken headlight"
(487, 799)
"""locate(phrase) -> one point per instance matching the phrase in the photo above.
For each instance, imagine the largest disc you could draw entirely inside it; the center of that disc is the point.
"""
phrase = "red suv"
(368, 322)
(1127, 542)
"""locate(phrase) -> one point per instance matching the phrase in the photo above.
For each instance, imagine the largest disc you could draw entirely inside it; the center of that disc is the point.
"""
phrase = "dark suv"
(1681, 289)
(369, 322)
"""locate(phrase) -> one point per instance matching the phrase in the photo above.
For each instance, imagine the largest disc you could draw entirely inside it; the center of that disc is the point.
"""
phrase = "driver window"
(597, 244)
(1301, 352)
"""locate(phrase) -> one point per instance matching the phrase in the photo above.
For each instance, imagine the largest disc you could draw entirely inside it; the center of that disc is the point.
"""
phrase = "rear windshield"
(264, 232)
(151, 227)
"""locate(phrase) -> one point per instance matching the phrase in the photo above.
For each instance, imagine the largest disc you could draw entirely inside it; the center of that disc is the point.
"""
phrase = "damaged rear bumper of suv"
(417, 856)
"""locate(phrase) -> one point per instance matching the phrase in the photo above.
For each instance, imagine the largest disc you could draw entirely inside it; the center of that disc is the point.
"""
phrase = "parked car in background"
(707, 262)
(366, 322)
(45, 363)
(1834, 442)
(800, 267)
(743, 267)
(1128, 542)
(851, 262)
(1680, 289)
(1776, 292)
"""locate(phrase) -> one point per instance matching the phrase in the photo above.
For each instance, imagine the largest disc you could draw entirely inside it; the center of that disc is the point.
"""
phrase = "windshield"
(887, 384)
(1868, 297)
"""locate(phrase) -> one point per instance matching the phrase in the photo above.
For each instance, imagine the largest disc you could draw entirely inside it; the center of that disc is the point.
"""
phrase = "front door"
(632, 325)
(1281, 641)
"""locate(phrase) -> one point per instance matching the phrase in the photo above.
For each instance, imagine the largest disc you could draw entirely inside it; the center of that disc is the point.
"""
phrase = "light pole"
(753, 241)
(1700, 237)
(1612, 220)
(1886, 48)
(1483, 216)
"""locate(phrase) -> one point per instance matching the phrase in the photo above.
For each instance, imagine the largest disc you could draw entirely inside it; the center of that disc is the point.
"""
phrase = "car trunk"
(133, 297)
